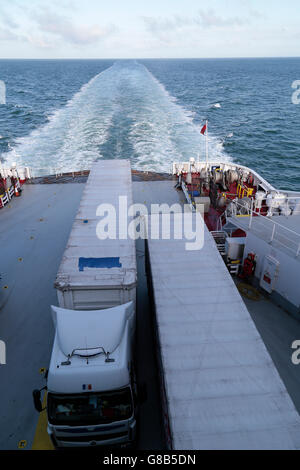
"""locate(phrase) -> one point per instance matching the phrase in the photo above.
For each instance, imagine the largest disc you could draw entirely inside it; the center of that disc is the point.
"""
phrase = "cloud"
(47, 29)
(257, 14)
(209, 18)
(158, 25)
(162, 27)
(6, 19)
(62, 27)
(204, 19)
(8, 35)
(39, 41)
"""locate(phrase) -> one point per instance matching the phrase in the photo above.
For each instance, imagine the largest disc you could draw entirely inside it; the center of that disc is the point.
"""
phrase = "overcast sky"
(149, 28)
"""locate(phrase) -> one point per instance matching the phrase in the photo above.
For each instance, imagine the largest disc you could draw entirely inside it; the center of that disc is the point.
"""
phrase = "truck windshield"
(90, 408)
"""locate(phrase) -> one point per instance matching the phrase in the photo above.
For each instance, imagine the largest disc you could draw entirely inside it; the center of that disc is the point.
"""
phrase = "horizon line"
(150, 58)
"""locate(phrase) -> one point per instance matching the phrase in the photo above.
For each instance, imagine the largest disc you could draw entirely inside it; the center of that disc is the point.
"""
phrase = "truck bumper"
(124, 438)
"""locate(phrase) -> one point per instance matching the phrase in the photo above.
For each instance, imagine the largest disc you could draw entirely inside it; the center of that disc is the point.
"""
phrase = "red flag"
(203, 130)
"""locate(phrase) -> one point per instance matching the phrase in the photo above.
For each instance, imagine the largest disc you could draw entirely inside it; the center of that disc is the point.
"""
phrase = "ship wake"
(124, 112)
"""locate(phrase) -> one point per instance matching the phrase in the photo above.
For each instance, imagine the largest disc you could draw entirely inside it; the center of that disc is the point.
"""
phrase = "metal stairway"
(220, 238)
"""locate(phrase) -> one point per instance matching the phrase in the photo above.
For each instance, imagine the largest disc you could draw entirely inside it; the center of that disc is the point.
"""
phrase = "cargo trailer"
(219, 386)
(94, 273)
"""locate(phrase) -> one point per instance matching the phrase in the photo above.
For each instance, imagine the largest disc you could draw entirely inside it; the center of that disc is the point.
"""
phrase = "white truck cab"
(91, 386)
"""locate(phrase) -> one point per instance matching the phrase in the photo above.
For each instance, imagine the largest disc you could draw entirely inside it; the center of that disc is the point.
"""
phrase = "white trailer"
(91, 385)
(219, 386)
(95, 273)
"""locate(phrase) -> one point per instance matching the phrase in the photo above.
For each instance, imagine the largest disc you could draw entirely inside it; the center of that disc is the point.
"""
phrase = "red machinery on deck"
(10, 185)
(222, 188)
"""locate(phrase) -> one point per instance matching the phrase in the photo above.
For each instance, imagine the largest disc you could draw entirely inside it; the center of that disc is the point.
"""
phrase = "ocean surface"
(62, 115)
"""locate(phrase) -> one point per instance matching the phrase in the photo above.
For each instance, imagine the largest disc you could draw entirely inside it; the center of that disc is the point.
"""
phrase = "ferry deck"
(33, 233)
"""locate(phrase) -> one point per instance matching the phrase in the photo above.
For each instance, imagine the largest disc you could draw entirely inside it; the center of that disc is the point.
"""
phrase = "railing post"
(251, 214)
(273, 233)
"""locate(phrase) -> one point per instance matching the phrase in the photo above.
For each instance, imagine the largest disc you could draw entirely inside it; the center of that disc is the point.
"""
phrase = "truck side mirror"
(37, 400)
(142, 393)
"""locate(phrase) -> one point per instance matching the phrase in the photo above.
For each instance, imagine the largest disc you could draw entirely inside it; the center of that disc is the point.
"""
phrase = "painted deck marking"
(41, 439)
(22, 444)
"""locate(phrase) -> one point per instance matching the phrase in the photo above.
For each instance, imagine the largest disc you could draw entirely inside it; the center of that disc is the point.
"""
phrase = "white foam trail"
(70, 139)
(122, 112)
(165, 132)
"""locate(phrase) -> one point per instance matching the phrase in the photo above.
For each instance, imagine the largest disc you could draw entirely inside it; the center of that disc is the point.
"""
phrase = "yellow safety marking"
(241, 191)
(248, 291)
(41, 439)
(22, 444)
(42, 370)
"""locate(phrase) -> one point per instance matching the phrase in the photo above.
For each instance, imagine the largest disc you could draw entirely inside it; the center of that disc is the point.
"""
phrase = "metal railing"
(267, 228)
(187, 196)
(57, 172)
(9, 193)
(38, 172)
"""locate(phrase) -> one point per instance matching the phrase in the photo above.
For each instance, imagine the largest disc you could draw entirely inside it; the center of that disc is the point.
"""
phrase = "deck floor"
(278, 330)
(34, 230)
(33, 233)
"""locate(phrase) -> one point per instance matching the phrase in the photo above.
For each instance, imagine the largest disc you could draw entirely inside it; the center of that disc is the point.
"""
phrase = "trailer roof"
(87, 260)
(222, 388)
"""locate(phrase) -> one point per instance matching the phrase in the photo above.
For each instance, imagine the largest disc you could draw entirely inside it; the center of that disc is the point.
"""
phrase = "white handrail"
(187, 196)
(51, 171)
(275, 227)
(178, 167)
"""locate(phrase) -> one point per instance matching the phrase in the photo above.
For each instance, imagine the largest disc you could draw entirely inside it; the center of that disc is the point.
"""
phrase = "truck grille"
(91, 437)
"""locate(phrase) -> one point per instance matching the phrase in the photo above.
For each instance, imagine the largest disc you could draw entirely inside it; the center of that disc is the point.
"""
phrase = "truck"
(91, 383)
(91, 391)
